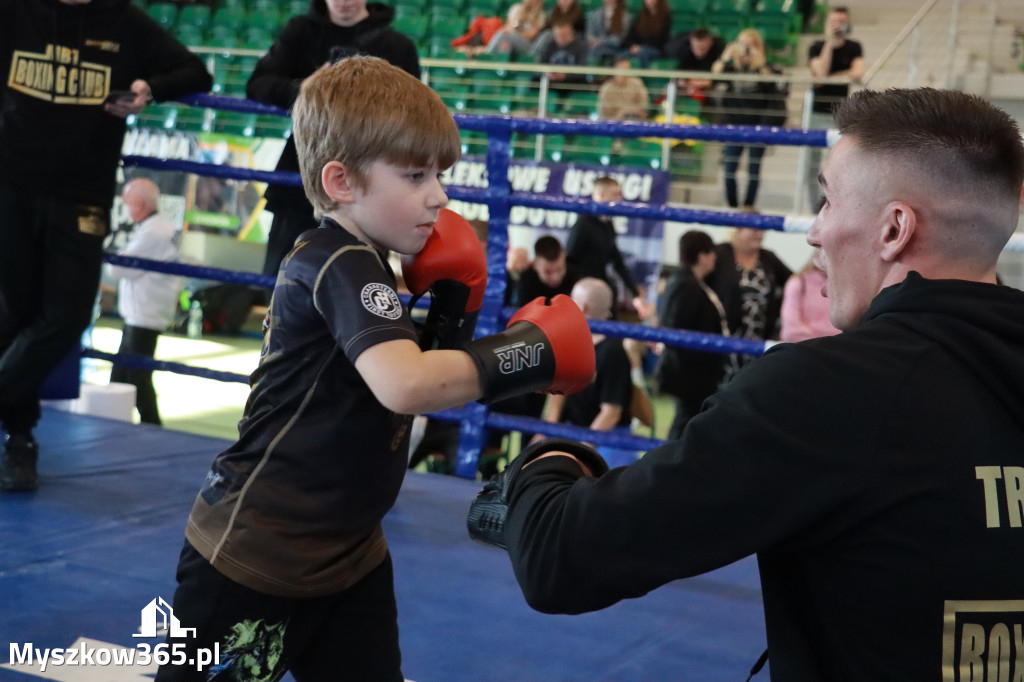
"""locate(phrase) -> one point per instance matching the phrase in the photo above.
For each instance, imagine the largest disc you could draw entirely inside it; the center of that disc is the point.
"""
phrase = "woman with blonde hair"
(748, 103)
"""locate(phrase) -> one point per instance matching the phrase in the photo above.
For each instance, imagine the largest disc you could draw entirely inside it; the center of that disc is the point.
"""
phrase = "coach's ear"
(337, 181)
(898, 227)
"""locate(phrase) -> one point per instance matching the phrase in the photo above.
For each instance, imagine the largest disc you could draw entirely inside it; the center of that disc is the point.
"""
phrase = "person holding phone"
(835, 55)
(748, 103)
(330, 31)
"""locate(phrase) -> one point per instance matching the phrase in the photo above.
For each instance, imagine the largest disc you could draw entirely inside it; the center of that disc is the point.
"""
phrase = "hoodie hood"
(982, 325)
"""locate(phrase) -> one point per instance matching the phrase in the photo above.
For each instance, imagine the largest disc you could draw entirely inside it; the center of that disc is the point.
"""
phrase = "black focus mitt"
(486, 520)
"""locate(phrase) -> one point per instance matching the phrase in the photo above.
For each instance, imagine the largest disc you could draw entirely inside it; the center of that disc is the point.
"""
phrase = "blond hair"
(362, 110)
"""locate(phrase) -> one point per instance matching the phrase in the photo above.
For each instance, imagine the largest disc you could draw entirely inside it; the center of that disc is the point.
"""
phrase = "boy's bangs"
(423, 140)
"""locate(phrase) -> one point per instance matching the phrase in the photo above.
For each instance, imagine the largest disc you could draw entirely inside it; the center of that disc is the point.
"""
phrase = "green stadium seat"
(473, 142)
(440, 47)
(192, 119)
(222, 37)
(190, 36)
(590, 149)
(444, 11)
(266, 18)
(157, 116)
(554, 148)
(163, 13)
(257, 38)
(231, 18)
(412, 26)
(579, 105)
(269, 125)
(194, 15)
(141, 4)
(726, 17)
(637, 152)
(787, 7)
(235, 123)
(448, 25)
(523, 146)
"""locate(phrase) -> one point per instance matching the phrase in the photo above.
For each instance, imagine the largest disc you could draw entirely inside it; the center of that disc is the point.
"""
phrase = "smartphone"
(120, 96)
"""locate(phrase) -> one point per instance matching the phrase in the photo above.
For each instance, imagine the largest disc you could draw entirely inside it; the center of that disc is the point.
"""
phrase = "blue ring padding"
(492, 124)
(142, 362)
(724, 133)
(246, 106)
(213, 170)
(671, 337)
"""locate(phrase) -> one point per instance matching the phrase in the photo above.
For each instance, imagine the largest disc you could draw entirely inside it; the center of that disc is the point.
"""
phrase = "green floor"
(213, 408)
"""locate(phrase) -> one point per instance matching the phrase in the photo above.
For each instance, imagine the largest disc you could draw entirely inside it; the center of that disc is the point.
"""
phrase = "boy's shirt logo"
(381, 300)
(58, 75)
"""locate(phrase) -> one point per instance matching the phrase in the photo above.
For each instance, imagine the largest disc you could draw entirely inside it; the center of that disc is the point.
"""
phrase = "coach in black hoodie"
(329, 31)
(62, 124)
(877, 474)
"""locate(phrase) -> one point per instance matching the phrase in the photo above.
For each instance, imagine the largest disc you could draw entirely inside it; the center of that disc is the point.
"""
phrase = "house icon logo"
(158, 615)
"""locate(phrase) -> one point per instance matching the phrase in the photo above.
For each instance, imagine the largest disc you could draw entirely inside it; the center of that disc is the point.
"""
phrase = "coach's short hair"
(955, 136)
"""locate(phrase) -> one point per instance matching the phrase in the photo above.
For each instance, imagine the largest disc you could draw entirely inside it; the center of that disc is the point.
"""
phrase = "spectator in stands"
(591, 246)
(481, 31)
(604, 405)
(748, 103)
(329, 31)
(689, 303)
(623, 97)
(749, 281)
(564, 10)
(567, 49)
(60, 147)
(697, 50)
(146, 300)
(805, 310)
(835, 55)
(526, 19)
(606, 28)
(649, 32)
(548, 275)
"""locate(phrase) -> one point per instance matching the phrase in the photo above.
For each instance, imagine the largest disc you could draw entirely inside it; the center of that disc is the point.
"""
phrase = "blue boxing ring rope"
(474, 418)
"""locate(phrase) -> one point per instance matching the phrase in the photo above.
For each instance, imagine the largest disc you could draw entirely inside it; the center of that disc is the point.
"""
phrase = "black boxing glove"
(487, 513)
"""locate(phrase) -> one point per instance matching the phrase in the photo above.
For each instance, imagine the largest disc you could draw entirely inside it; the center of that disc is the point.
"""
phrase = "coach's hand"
(487, 513)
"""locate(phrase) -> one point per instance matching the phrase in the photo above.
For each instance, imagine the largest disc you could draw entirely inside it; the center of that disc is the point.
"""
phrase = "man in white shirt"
(146, 300)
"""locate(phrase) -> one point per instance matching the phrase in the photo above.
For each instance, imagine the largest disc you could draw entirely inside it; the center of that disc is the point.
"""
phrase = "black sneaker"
(18, 469)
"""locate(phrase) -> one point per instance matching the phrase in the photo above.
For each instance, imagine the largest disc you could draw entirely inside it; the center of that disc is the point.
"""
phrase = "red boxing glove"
(452, 265)
(452, 252)
(546, 347)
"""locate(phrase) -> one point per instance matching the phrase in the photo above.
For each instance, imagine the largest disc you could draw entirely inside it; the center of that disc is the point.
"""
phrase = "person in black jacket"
(749, 280)
(875, 474)
(75, 69)
(591, 246)
(691, 375)
(329, 31)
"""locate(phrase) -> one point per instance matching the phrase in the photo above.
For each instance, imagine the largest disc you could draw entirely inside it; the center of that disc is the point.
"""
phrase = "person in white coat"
(146, 300)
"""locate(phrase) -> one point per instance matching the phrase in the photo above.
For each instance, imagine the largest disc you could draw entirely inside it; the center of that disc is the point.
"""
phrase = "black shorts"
(352, 635)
